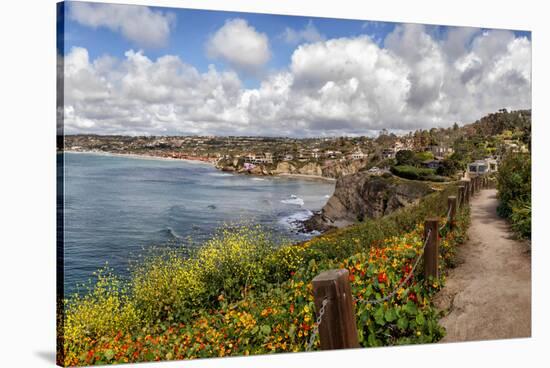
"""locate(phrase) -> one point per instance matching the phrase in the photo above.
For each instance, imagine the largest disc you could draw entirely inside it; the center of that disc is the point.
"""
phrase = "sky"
(138, 70)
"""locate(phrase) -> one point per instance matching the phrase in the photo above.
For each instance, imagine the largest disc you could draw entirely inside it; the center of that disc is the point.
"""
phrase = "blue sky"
(454, 53)
(192, 28)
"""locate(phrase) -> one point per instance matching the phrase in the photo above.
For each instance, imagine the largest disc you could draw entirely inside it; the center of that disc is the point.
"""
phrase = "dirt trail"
(488, 295)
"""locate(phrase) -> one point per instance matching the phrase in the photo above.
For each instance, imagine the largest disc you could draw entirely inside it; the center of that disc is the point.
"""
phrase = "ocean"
(116, 207)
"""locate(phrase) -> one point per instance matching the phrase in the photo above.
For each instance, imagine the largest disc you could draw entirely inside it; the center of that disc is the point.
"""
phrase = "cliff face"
(359, 196)
(327, 169)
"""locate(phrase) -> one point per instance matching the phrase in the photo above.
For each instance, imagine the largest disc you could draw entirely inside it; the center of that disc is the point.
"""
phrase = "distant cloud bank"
(336, 86)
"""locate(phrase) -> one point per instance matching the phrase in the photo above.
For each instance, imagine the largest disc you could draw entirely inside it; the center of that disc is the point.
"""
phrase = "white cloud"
(139, 24)
(308, 34)
(240, 45)
(332, 87)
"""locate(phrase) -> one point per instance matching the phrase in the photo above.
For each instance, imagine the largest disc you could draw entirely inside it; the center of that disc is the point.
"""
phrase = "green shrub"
(424, 156)
(521, 217)
(166, 285)
(105, 309)
(514, 191)
(413, 173)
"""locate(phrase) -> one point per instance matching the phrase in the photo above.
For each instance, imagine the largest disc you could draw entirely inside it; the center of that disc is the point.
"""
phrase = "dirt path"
(488, 295)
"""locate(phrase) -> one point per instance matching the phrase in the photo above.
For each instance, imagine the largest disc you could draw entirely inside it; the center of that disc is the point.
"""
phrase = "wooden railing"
(336, 324)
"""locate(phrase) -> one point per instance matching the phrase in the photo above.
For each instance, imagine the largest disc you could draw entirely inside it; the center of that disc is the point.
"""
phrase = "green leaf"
(379, 316)
(292, 331)
(402, 323)
(266, 330)
(371, 340)
(390, 315)
(410, 308)
(109, 354)
(420, 319)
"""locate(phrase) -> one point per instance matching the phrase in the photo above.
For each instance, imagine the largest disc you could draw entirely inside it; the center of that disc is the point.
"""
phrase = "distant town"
(445, 151)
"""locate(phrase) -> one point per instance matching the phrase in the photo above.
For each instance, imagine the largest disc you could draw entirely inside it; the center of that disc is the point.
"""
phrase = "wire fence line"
(315, 330)
(447, 219)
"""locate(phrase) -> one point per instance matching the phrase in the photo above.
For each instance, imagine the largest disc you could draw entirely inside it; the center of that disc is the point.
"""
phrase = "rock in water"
(363, 195)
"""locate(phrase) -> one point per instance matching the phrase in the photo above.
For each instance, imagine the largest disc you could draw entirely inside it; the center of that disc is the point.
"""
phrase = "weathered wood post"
(472, 187)
(461, 190)
(431, 253)
(452, 204)
(338, 329)
(466, 184)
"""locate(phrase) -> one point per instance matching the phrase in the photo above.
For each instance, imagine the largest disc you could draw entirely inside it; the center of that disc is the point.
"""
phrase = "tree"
(406, 157)
(448, 167)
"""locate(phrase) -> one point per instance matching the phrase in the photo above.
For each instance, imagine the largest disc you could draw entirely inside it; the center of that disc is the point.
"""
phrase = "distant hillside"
(498, 123)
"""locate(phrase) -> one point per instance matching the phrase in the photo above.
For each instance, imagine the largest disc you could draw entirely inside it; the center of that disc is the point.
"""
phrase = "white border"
(27, 230)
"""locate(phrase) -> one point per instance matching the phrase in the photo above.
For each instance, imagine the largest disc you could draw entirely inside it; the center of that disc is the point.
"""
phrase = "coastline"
(199, 161)
(142, 157)
(306, 176)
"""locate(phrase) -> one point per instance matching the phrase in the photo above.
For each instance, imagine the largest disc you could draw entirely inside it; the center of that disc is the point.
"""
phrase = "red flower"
(351, 278)
(412, 296)
(382, 278)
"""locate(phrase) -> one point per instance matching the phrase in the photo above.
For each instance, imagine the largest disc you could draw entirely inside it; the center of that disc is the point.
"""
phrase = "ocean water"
(116, 207)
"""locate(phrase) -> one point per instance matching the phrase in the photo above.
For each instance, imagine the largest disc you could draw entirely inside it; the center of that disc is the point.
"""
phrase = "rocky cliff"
(361, 195)
(327, 169)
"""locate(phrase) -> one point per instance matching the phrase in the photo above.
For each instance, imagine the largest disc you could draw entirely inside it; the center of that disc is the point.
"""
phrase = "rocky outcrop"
(311, 168)
(362, 195)
(327, 169)
(335, 169)
(284, 168)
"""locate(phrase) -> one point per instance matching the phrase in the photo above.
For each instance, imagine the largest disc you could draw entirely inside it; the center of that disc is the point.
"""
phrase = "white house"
(485, 166)
(358, 154)
(440, 151)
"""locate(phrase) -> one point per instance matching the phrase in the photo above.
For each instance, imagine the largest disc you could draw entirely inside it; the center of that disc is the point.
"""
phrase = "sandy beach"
(142, 157)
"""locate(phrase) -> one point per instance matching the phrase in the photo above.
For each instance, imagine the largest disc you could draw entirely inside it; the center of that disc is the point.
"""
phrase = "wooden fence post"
(466, 184)
(452, 203)
(431, 253)
(338, 329)
(461, 190)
